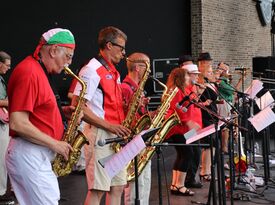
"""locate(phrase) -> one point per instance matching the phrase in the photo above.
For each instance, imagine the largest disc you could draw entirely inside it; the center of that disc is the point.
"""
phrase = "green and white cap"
(56, 36)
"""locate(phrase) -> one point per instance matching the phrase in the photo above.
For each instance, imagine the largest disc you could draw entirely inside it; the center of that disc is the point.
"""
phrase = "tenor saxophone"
(72, 136)
(132, 110)
(158, 121)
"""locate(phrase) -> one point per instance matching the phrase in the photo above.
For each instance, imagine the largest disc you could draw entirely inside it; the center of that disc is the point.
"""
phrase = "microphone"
(193, 82)
(146, 134)
(102, 142)
(241, 68)
(206, 79)
(268, 70)
(258, 73)
(185, 98)
(184, 109)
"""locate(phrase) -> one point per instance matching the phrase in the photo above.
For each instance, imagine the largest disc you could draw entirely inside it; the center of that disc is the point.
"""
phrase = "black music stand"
(218, 158)
(147, 135)
(159, 152)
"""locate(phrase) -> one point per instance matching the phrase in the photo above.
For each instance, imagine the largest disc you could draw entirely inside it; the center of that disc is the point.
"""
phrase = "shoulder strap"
(103, 62)
(54, 89)
(132, 87)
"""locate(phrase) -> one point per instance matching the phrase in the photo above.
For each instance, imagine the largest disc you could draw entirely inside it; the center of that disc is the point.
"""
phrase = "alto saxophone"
(133, 107)
(158, 121)
(72, 136)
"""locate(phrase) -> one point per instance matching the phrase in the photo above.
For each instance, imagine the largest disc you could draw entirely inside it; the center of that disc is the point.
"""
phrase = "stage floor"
(73, 187)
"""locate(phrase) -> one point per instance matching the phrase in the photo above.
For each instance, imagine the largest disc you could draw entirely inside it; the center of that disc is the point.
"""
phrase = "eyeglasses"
(120, 46)
(69, 56)
(7, 65)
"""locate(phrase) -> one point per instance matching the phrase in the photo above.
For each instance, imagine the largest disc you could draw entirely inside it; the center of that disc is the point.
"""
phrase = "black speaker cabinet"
(265, 65)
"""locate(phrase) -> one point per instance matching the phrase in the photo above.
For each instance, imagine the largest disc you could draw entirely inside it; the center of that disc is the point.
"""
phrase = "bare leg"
(180, 184)
(114, 195)
(225, 137)
(93, 197)
(205, 162)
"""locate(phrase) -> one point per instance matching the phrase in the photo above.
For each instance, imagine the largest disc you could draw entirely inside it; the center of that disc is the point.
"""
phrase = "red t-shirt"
(193, 113)
(29, 90)
(73, 85)
(129, 87)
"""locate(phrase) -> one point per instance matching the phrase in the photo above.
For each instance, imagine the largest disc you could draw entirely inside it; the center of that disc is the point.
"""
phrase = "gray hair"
(4, 56)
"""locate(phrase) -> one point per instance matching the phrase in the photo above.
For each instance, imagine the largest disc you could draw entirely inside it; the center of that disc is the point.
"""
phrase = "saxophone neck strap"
(55, 92)
(103, 62)
(131, 86)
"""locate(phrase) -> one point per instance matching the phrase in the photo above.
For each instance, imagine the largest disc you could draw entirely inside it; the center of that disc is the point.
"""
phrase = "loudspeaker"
(161, 70)
(263, 64)
(264, 67)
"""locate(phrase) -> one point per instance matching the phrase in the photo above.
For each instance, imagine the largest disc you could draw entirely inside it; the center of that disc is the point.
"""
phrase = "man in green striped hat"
(36, 126)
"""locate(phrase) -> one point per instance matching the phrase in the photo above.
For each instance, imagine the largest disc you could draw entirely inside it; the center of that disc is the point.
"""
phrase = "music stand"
(158, 151)
(220, 169)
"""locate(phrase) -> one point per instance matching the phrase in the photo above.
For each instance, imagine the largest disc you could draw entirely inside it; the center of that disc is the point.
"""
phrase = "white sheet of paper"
(262, 119)
(254, 88)
(202, 133)
(264, 101)
(119, 160)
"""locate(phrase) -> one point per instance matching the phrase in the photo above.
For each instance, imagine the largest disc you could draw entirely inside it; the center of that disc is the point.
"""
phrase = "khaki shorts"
(96, 176)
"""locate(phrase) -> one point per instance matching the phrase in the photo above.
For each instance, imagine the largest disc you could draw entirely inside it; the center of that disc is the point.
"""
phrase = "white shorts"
(4, 141)
(95, 173)
(30, 171)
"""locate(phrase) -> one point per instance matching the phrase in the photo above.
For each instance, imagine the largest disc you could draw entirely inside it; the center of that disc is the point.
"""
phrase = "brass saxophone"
(158, 121)
(72, 136)
(133, 107)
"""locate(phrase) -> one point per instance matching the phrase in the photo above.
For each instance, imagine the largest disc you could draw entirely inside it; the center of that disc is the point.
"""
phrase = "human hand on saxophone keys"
(62, 147)
(118, 130)
(68, 111)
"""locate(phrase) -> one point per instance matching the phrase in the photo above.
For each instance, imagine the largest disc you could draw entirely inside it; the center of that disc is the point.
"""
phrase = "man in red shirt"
(136, 64)
(35, 120)
(103, 114)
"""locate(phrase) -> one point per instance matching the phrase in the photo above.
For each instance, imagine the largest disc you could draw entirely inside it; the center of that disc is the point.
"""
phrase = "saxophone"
(72, 136)
(158, 121)
(133, 107)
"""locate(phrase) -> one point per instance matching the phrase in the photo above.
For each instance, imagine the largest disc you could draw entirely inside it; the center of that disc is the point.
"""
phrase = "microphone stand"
(234, 90)
(231, 142)
(220, 154)
(137, 200)
(158, 151)
(150, 135)
(220, 169)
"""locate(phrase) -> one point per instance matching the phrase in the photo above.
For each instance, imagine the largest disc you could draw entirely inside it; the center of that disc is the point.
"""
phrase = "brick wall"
(230, 30)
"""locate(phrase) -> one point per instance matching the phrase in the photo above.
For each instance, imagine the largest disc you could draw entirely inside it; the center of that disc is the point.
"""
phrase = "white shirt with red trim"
(103, 94)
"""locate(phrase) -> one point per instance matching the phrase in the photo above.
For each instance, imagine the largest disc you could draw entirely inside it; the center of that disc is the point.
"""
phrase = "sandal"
(206, 177)
(178, 191)
(174, 189)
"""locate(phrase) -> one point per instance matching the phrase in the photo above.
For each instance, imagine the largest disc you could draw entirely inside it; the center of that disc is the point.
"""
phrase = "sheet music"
(264, 101)
(119, 160)
(254, 88)
(201, 133)
(262, 119)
